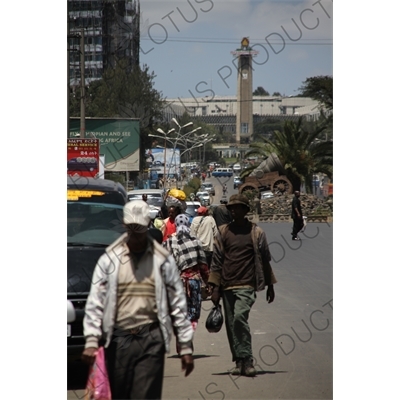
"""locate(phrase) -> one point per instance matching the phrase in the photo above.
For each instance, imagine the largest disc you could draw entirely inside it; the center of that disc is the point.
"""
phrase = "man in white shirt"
(204, 228)
(136, 303)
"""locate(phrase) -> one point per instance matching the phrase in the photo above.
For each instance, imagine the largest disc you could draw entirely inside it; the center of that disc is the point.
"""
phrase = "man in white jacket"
(136, 301)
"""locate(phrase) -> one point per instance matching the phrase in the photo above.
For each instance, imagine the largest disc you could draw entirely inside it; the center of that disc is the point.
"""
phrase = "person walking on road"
(221, 213)
(191, 261)
(240, 267)
(136, 302)
(297, 216)
(169, 227)
(205, 229)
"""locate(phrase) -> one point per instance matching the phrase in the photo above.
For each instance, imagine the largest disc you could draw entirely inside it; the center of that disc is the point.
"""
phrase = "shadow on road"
(258, 373)
(195, 356)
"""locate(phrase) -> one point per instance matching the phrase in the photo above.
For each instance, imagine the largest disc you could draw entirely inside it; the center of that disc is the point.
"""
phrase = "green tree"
(319, 88)
(260, 91)
(125, 91)
(267, 127)
(299, 151)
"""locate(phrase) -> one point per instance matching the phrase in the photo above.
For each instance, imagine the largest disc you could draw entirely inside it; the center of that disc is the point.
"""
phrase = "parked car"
(191, 209)
(155, 199)
(267, 195)
(204, 198)
(236, 182)
(94, 221)
(209, 187)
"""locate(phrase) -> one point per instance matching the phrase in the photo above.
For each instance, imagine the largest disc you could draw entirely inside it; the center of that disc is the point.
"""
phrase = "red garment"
(200, 271)
(170, 228)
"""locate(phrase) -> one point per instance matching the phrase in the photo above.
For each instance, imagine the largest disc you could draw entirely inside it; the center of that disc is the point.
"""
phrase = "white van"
(237, 168)
(222, 172)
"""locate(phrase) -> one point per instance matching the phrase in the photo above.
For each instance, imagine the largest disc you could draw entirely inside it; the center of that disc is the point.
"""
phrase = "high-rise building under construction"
(111, 30)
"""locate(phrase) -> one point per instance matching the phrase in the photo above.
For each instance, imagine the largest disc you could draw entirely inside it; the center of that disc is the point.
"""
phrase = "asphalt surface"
(292, 337)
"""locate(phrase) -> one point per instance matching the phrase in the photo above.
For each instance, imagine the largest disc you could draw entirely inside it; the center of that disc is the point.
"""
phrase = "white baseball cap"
(137, 212)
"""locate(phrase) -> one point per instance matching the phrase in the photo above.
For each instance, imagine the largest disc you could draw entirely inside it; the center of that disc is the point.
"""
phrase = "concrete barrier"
(276, 218)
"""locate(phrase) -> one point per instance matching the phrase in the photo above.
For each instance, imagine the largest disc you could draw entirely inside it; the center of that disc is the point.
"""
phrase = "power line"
(303, 42)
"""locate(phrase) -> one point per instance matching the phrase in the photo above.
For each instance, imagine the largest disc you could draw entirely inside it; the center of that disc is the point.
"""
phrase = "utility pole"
(165, 160)
(82, 46)
(67, 76)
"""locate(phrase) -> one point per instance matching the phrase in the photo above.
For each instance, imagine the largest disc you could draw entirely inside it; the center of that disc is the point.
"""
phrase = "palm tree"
(300, 151)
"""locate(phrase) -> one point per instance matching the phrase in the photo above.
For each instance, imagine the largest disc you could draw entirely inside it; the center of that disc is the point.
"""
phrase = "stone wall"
(279, 209)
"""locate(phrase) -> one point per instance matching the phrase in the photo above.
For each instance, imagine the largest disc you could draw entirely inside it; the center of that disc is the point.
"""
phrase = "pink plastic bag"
(98, 385)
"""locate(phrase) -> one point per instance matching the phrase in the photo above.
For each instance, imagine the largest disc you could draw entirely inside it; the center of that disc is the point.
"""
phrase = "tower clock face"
(244, 75)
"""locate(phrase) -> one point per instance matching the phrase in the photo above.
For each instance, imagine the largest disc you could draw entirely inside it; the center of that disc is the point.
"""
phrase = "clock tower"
(244, 115)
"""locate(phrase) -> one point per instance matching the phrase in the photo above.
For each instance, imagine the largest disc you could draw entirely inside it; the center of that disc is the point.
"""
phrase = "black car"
(94, 221)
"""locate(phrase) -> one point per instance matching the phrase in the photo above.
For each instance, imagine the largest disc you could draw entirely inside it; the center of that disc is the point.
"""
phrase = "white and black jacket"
(101, 304)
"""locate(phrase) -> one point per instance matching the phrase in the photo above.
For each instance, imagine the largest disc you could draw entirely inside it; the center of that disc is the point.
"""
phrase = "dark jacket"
(222, 215)
(296, 203)
(263, 270)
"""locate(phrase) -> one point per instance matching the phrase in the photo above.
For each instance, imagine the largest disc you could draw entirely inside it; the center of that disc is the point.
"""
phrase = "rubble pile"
(310, 205)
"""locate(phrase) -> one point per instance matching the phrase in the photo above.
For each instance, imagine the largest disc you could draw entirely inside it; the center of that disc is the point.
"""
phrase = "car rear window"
(152, 199)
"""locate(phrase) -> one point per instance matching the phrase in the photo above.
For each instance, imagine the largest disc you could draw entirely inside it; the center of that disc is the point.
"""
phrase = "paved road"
(292, 337)
(218, 183)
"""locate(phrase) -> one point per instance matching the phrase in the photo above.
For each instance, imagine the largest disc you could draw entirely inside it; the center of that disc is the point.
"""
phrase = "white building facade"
(227, 105)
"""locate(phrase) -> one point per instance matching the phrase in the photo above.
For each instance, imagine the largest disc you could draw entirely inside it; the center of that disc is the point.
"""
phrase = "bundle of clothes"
(175, 198)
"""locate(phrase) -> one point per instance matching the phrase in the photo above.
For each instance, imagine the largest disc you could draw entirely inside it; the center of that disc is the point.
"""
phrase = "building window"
(244, 127)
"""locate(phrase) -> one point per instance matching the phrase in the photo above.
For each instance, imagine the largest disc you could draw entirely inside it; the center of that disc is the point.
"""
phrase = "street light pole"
(182, 140)
(68, 66)
(165, 149)
(165, 157)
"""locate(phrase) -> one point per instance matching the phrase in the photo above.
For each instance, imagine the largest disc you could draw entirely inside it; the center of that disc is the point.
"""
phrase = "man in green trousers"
(240, 267)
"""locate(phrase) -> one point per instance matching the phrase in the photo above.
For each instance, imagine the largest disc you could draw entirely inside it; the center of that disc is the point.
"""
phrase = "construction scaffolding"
(111, 31)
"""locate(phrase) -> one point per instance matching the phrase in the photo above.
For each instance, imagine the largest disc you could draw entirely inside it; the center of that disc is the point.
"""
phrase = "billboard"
(164, 159)
(119, 140)
(83, 157)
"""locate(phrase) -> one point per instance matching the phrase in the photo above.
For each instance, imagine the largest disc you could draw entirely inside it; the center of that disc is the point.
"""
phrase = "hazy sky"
(188, 43)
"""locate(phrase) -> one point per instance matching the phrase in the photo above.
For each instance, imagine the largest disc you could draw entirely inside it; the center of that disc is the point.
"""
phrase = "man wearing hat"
(205, 229)
(136, 301)
(240, 267)
(221, 214)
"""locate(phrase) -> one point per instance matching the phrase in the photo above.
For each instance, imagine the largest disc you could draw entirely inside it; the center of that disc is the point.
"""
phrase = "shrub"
(192, 187)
